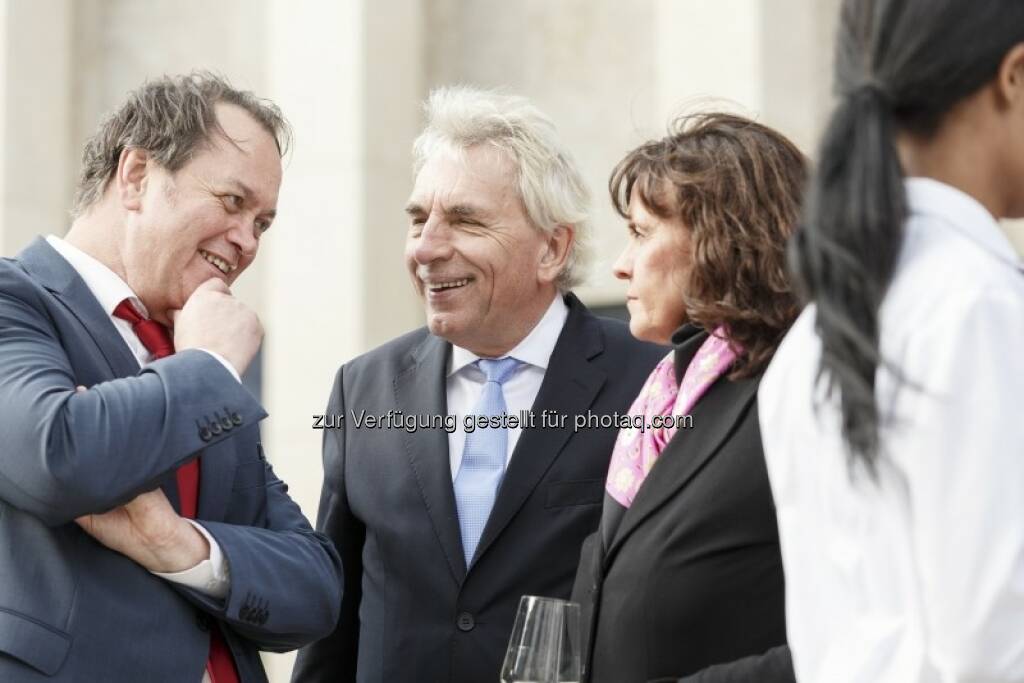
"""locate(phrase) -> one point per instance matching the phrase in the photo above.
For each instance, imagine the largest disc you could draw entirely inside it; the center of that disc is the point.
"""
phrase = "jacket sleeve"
(285, 588)
(333, 659)
(774, 666)
(66, 454)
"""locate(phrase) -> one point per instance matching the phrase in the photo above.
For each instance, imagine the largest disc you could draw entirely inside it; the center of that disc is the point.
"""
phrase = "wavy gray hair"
(549, 183)
(168, 117)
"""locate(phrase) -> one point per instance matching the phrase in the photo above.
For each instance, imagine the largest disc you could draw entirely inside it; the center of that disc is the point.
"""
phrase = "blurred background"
(351, 76)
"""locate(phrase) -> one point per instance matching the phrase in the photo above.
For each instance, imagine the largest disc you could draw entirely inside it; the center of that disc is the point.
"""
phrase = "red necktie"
(158, 341)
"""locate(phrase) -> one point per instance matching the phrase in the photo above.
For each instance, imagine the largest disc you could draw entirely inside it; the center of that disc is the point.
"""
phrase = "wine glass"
(545, 642)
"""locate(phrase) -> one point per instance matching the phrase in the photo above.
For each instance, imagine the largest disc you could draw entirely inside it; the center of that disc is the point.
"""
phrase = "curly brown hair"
(737, 186)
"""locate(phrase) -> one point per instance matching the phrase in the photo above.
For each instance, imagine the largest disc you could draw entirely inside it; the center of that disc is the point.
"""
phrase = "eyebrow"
(460, 210)
(463, 211)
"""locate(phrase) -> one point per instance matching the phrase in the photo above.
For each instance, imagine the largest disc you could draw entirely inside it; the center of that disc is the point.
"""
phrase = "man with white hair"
(441, 528)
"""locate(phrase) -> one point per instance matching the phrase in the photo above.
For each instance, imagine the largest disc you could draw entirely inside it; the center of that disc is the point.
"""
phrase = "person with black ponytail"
(890, 415)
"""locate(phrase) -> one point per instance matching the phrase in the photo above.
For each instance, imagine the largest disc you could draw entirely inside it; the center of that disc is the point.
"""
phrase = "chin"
(439, 324)
(452, 330)
(649, 333)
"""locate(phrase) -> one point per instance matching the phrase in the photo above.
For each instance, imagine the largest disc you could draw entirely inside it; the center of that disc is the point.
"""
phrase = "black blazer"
(690, 575)
(411, 611)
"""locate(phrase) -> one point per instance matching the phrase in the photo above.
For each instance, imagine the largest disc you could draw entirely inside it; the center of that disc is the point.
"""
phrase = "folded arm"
(64, 452)
(285, 579)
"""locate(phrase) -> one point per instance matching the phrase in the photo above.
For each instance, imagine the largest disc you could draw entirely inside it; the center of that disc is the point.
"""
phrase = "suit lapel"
(420, 389)
(687, 341)
(55, 274)
(714, 418)
(570, 386)
(58, 277)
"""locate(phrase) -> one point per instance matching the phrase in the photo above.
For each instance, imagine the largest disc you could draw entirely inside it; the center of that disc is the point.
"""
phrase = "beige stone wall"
(36, 167)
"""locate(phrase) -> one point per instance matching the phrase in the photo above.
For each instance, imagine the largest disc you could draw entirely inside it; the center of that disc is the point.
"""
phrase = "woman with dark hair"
(889, 414)
(684, 572)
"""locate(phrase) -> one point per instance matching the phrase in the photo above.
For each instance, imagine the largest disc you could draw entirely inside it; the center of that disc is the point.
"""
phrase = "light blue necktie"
(483, 457)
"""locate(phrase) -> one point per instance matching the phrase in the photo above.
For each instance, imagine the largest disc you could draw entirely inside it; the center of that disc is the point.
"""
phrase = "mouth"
(217, 262)
(437, 286)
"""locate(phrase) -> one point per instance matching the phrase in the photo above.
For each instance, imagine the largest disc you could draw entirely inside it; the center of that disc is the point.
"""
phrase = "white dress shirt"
(920, 577)
(466, 381)
(210, 576)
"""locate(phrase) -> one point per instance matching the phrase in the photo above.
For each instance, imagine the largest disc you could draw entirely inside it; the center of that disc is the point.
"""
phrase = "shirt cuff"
(223, 361)
(212, 576)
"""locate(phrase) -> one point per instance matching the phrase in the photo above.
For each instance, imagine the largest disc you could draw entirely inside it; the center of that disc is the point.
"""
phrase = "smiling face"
(656, 264)
(486, 275)
(204, 220)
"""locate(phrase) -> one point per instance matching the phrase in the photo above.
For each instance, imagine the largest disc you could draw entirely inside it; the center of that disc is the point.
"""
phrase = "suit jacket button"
(216, 428)
(236, 419)
(226, 423)
(205, 434)
(465, 622)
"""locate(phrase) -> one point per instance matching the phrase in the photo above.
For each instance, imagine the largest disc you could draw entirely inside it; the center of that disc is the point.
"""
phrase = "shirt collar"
(109, 289)
(535, 349)
(961, 213)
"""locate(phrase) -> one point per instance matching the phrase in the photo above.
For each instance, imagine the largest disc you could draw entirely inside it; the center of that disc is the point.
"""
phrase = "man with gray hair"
(144, 535)
(474, 485)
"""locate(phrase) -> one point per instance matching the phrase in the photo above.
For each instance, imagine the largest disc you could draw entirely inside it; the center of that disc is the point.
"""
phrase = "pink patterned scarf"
(636, 450)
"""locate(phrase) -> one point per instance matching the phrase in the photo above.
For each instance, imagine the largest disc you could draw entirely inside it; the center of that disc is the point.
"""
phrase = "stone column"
(348, 76)
(769, 60)
(36, 164)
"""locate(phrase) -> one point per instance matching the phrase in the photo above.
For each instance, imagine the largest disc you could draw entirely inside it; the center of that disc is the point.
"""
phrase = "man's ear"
(557, 247)
(1010, 78)
(131, 177)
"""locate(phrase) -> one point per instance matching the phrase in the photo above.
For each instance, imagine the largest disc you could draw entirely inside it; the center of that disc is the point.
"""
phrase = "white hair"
(549, 183)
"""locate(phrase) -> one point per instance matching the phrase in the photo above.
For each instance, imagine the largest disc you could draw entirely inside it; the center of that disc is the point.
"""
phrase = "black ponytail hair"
(900, 66)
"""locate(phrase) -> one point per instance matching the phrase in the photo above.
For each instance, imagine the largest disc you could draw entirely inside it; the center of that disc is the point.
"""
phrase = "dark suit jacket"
(411, 611)
(691, 575)
(72, 610)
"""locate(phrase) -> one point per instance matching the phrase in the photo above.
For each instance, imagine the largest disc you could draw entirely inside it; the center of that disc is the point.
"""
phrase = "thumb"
(213, 285)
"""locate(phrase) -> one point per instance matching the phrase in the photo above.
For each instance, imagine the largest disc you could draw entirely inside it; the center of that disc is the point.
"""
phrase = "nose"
(623, 266)
(243, 236)
(434, 242)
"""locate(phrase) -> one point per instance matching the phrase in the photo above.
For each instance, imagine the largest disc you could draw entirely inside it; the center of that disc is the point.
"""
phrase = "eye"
(416, 226)
(233, 202)
(262, 225)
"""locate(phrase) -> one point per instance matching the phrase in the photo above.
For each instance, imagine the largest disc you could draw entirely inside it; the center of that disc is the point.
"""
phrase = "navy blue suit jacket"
(412, 611)
(70, 608)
